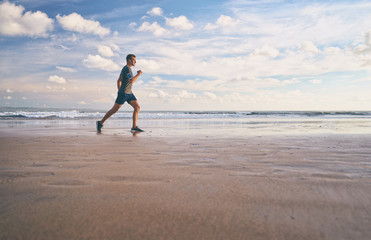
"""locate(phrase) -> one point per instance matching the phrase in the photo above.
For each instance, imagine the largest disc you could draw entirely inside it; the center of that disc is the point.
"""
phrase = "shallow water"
(215, 127)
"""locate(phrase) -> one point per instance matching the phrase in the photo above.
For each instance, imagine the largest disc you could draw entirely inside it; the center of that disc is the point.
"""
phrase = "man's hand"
(139, 72)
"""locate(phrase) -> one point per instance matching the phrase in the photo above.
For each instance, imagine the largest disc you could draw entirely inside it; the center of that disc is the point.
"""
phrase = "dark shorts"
(122, 98)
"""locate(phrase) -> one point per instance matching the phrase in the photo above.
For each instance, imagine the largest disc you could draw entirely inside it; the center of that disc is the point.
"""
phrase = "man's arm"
(119, 82)
(133, 79)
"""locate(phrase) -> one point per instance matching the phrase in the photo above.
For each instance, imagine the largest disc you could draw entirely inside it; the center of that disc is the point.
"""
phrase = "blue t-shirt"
(126, 74)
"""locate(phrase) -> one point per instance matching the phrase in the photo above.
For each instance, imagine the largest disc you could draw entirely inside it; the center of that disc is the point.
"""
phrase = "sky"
(234, 55)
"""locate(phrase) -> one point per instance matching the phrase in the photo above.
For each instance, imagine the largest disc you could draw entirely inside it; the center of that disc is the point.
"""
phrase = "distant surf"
(54, 113)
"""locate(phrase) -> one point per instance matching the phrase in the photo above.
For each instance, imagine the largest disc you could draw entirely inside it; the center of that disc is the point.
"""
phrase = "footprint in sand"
(67, 183)
(10, 176)
(137, 180)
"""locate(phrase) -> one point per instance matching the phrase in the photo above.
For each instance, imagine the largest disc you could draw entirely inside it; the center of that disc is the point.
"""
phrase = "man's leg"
(136, 107)
(113, 110)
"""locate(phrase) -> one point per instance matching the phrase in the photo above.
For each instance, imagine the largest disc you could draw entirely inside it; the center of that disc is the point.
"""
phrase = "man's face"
(133, 61)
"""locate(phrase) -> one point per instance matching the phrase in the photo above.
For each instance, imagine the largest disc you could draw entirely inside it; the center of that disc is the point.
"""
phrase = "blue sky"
(195, 55)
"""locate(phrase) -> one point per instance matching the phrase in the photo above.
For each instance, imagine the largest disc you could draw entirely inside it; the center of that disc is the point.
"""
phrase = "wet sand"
(63, 183)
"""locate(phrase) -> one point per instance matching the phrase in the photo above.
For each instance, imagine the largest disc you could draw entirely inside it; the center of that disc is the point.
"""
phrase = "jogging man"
(124, 84)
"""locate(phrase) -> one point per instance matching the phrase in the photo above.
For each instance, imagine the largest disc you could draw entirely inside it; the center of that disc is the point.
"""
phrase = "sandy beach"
(62, 181)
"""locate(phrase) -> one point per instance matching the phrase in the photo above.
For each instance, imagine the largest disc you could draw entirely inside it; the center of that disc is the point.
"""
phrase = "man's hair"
(129, 56)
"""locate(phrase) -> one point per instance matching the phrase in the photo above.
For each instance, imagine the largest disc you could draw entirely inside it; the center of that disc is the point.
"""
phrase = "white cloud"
(132, 25)
(319, 23)
(64, 47)
(224, 22)
(75, 22)
(148, 64)
(309, 47)
(227, 21)
(183, 94)
(181, 22)
(57, 79)
(205, 57)
(170, 97)
(99, 62)
(316, 81)
(14, 22)
(367, 38)
(366, 47)
(157, 80)
(210, 95)
(73, 38)
(290, 81)
(105, 51)
(156, 11)
(115, 47)
(108, 51)
(332, 51)
(267, 51)
(154, 28)
(210, 26)
(66, 69)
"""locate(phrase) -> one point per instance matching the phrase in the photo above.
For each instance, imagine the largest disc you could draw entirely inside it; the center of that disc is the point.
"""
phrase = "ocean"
(55, 113)
(238, 123)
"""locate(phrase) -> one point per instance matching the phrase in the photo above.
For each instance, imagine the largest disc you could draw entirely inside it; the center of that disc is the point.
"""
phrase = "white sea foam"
(15, 113)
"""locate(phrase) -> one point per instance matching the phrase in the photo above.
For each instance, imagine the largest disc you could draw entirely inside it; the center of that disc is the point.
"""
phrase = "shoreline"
(69, 183)
(214, 127)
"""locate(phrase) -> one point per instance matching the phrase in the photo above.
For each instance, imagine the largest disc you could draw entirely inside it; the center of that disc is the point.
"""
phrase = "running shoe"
(99, 127)
(136, 129)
